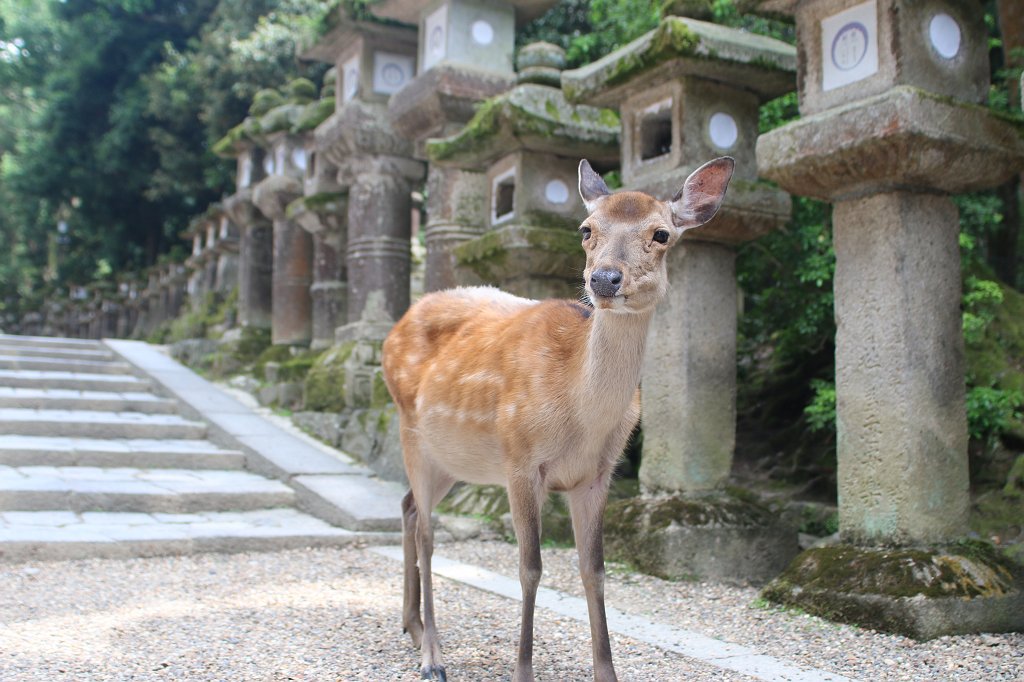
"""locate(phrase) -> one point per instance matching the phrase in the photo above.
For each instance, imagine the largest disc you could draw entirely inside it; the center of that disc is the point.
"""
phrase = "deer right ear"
(592, 186)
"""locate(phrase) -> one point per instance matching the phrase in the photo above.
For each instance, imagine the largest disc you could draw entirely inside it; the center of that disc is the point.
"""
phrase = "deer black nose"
(606, 282)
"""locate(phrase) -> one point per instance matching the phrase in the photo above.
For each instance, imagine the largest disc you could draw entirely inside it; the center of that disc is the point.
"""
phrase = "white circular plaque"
(482, 32)
(556, 191)
(944, 33)
(722, 130)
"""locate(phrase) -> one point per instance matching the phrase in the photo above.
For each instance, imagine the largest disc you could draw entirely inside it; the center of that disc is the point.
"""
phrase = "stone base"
(369, 435)
(727, 537)
(920, 593)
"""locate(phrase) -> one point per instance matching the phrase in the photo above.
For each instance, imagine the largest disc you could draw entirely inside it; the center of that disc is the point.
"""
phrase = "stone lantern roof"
(530, 117)
(533, 116)
(681, 47)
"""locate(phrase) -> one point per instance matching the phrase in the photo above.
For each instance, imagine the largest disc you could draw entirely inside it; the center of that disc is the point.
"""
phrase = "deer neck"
(612, 362)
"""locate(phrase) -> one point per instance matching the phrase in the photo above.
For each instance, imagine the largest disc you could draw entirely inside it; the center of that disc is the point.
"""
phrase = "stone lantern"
(889, 93)
(687, 92)
(285, 165)
(255, 247)
(527, 143)
(375, 165)
(322, 211)
(195, 234)
(465, 53)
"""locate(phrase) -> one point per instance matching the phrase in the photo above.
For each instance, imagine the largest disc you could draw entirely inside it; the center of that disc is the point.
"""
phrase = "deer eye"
(661, 236)
(585, 231)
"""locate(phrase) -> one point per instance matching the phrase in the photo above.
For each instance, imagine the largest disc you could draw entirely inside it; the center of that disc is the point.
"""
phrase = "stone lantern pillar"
(285, 165)
(889, 94)
(375, 165)
(256, 235)
(690, 91)
(194, 262)
(226, 274)
(323, 212)
(465, 53)
(527, 144)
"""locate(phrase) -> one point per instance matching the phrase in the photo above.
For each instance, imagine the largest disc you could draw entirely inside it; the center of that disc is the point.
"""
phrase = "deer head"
(628, 234)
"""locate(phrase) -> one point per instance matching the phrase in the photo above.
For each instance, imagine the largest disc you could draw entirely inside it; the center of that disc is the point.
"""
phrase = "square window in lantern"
(655, 134)
(504, 196)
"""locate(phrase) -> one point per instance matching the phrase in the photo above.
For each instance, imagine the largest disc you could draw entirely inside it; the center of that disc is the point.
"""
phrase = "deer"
(537, 396)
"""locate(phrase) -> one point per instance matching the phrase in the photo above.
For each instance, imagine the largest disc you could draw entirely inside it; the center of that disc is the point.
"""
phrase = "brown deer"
(537, 396)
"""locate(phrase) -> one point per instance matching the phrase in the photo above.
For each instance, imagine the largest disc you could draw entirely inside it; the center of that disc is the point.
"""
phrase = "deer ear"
(700, 197)
(592, 186)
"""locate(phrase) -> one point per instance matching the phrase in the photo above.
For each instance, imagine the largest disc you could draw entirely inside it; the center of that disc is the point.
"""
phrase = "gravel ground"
(730, 613)
(333, 614)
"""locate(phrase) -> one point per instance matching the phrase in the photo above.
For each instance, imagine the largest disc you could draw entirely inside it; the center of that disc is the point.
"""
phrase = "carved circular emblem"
(850, 46)
(482, 32)
(392, 74)
(722, 130)
(436, 41)
(944, 33)
(556, 191)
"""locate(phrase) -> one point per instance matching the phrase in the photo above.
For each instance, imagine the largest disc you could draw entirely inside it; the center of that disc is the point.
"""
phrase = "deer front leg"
(586, 505)
(525, 496)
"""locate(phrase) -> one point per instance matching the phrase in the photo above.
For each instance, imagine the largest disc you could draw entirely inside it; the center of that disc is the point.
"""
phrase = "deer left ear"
(700, 197)
(592, 186)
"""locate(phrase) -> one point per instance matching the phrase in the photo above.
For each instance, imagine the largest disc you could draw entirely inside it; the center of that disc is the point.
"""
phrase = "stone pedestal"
(902, 425)
(687, 92)
(379, 214)
(888, 89)
(689, 376)
(291, 305)
(325, 217)
(455, 214)
(255, 266)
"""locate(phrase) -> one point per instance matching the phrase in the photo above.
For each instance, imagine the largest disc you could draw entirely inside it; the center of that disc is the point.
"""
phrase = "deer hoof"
(435, 673)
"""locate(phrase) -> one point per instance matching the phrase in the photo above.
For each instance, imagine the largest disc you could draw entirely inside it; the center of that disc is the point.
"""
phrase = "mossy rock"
(729, 536)
(300, 91)
(325, 380)
(275, 354)
(917, 592)
(314, 114)
(253, 341)
(265, 100)
(997, 358)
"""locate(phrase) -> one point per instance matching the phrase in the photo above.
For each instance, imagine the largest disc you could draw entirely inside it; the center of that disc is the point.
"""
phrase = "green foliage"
(982, 298)
(590, 30)
(821, 412)
(991, 411)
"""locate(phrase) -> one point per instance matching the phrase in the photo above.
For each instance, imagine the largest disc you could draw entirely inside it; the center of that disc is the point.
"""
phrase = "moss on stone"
(276, 354)
(300, 91)
(321, 202)
(965, 570)
(673, 38)
(227, 146)
(380, 396)
(297, 367)
(265, 100)
(997, 358)
(325, 380)
(314, 114)
(252, 342)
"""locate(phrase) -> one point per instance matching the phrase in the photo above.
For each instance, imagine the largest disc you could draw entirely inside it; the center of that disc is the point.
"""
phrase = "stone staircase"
(93, 463)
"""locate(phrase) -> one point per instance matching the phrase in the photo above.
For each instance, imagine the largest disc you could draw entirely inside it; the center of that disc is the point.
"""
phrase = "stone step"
(49, 342)
(70, 399)
(128, 489)
(83, 381)
(141, 453)
(65, 353)
(47, 364)
(60, 535)
(97, 424)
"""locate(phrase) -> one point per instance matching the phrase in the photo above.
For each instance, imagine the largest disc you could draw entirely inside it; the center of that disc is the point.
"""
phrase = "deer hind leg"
(586, 506)
(525, 496)
(429, 485)
(411, 620)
